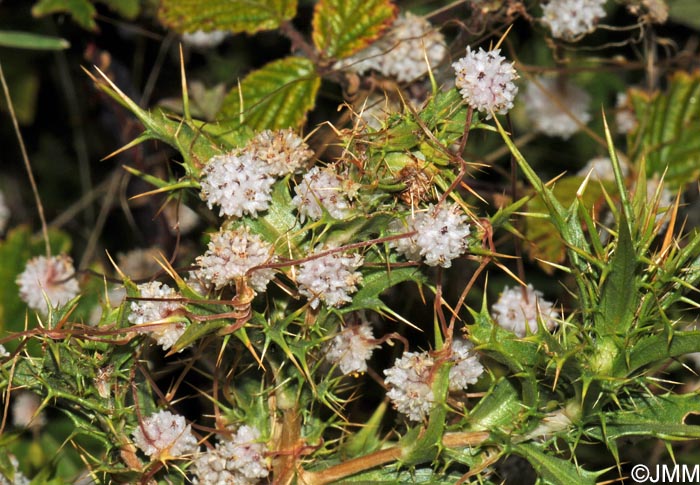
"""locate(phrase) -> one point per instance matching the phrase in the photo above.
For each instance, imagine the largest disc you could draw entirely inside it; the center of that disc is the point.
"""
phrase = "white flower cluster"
(146, 311)
(466, 369)
(410, 379)
(25, 410)
(239, 461)
(283, 151)
(18, 477)
(237, 183)
(4, 213)
(320, 189)
(518, 309)
(330, 278)
(441, 235)
(3, 352)
(402, 52)
(568, 19)
(139, 263)
(51, 278)
(625, 119)
(486, 81)
(352, 347)
(545, 107)
(231, 254)
(602, 169)
(204, 40)
(165, 435)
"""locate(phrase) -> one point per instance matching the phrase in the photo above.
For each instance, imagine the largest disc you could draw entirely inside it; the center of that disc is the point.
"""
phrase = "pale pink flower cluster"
(25, 410)
(569, 19)
(625, 118)
(441, 235)
(330, 278)
(352, 347)
(410, 380)
(158, 310)
(486, 81)
(165, 435)
(518, 310)
(557, 108)
(204, 40)
(51, 278)
(402, 52)
(283, 151)
(4, 213)
(320, 189)
(231, 254)
(240, 460)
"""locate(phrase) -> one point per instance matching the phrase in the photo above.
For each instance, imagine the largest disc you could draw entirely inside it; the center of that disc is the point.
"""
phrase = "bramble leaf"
(248, 16)
(341, 27)
(278, 95)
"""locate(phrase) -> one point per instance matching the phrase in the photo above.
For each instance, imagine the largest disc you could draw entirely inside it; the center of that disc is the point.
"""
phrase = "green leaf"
(128, 9)
(658, 416)
(619, 293)
(554, 470)
(499, 409)
(376, 283)
(343, 27)
(685, 12)
(278, 95)
(233, 15)
(82, 11)
(368, 438)
(669, 129)
(279, 225)
(28, 40)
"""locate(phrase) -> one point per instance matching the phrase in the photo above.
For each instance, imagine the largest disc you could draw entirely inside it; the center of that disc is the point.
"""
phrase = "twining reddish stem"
(382, 457)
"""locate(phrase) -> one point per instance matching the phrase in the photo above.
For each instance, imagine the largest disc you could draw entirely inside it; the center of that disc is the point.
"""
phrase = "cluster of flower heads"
(402, 52)
(352, 347)
(625, 118)
(204, 40)
(556, 106)
(518, 310)
(486, 81)
(440, 235)
(25, 410)
(410, 379)
(320, 190)
(330, 278)
(240, 182)
(240, 460)
(569, 19)
(158, 310)
(231, 254)
(165, 435)
(601, 168)
(51, 278)
(4, 213)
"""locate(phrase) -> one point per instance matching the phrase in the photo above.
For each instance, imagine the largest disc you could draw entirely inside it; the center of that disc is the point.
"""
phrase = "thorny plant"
(270, 354)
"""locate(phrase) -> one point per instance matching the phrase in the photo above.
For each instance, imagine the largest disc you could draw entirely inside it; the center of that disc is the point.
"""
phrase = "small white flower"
(139, 263)
(283, 151)
(25, 410)
(441, 235)
(410, 384)
(330, 278)
(4, 213)
(486, 81)
(237, 183)
(165, 435)
(18, 478)
(320, 189)
(52, 278)
(204, 40)
(518, 308)
(240, 460)
(467, 367)
(3, 352)
(402, 52)
(568, 19)
(146, 311)
(625, 119)
(231, 254)
(352, 347)
(544, 107)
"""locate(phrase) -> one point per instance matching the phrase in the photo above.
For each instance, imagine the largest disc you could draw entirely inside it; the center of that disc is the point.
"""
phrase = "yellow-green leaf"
(278, 95)
(233, 15)
(82, 11)
(343, 27)
(28, 40)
